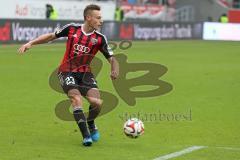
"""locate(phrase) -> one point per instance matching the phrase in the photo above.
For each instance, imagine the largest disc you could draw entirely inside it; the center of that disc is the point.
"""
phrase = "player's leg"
(90, 91)
(76, 100)
(93, 97)
(69, 84)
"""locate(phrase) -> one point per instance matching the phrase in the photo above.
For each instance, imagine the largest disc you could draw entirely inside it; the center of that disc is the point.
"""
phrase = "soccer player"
(75, 76)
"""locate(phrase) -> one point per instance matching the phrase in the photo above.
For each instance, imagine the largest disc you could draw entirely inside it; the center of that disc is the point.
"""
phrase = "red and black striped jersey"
(81, 48)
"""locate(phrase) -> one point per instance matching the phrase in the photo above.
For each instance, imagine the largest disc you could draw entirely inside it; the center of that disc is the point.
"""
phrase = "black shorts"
(83, 81)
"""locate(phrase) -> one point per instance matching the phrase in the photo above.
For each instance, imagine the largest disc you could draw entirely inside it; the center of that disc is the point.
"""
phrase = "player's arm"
(108, 53)
(114, 67)
(45, 38)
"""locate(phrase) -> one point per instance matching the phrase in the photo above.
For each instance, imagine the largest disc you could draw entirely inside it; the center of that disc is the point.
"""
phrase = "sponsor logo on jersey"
(80, 48)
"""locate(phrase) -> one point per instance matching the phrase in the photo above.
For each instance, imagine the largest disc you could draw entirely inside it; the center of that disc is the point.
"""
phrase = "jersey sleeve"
(105, 49)
(63, 32)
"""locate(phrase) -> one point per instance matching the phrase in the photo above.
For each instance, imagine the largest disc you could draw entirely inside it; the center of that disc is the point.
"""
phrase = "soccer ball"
(133, 128)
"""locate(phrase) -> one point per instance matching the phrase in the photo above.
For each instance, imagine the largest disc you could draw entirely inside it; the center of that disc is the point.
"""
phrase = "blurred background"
(23, 20)
(196, 40)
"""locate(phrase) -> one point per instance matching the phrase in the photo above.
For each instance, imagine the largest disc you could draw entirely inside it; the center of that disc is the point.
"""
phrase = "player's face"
(95, 19)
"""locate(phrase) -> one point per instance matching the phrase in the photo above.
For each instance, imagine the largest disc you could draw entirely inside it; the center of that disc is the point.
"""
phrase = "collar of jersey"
(87, 34)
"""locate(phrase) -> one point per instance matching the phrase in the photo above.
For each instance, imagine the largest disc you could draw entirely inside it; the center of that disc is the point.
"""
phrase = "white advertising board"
(221, 31)
(67, 10)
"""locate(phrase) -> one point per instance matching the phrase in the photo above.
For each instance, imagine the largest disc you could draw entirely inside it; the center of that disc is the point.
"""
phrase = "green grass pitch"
(205, 78)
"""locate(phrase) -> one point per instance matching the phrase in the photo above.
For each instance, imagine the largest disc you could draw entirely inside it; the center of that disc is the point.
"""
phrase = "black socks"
(81, 121)
(93, 113)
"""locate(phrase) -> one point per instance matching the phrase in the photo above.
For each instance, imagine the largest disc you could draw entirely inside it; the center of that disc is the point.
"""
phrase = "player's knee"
(95, 102)
(75, 99)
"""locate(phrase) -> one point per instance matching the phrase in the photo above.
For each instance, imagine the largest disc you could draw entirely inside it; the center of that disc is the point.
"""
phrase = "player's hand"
(24, 48)
(114, 74)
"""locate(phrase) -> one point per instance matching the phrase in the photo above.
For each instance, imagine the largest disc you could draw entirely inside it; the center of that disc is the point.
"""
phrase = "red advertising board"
(5, 32)
(142, 11)
(234, 16)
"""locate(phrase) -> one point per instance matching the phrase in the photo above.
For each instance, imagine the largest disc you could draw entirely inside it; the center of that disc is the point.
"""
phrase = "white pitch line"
(229, 148)
(179, 153)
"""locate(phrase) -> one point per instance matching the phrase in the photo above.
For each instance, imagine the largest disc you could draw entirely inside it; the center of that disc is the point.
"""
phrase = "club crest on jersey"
(94, 41)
